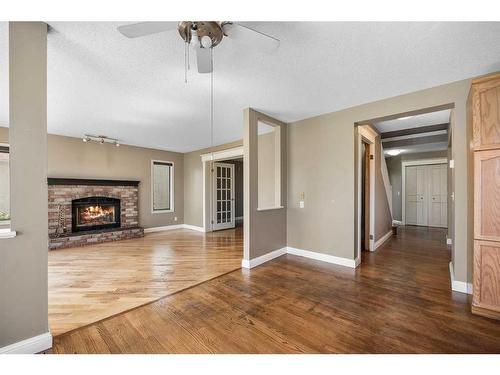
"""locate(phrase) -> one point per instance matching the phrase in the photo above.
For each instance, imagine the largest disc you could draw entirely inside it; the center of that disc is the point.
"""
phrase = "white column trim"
(32, 345)
(459, 286)
(251, 263)
(346, 262)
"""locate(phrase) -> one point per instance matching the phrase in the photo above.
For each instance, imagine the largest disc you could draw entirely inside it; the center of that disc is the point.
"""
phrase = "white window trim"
(153, 211)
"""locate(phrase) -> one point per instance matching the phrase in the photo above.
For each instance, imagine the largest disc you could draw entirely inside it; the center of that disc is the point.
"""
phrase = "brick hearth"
(61, 192)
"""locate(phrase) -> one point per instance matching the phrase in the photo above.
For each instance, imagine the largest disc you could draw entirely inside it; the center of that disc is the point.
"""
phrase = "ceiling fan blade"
(251, 37)
(204, 60)
(136, 30)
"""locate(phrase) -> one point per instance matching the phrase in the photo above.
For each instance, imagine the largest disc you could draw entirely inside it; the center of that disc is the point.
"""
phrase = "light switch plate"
(301, 204)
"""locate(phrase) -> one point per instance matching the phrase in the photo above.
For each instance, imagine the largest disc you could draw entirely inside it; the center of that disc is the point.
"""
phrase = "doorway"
(366, 137)
(223, 189)
(365, 196)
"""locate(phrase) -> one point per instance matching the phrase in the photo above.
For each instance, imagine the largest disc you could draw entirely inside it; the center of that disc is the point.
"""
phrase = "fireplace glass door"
(95, 213)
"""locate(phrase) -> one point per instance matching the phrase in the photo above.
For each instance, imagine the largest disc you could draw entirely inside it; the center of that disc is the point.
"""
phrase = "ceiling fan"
(202, 36)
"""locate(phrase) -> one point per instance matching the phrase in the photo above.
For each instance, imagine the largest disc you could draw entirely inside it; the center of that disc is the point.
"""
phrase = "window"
(162, 186)
(4, 186)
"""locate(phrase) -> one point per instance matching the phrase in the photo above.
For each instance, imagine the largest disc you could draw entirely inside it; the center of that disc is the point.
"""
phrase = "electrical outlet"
(301, 204)
(175, 218)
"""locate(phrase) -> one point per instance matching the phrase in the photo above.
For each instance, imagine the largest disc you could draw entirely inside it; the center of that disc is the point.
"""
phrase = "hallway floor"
(397, 301)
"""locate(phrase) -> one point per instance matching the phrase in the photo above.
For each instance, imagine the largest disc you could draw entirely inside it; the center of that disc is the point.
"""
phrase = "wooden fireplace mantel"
(90, 182)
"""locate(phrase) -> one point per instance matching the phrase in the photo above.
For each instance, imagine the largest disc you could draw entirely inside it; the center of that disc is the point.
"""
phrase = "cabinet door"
(487, 195)
(486, 113)
(487, 275)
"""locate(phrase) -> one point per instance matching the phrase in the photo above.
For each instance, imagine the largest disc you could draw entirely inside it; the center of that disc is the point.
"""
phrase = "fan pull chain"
(212, 135)
(186, 48)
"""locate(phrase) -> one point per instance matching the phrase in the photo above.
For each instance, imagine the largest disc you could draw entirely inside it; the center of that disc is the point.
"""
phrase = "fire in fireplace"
(94, 213)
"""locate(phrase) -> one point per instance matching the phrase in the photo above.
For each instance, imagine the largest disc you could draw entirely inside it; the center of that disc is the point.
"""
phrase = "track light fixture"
(100, 139)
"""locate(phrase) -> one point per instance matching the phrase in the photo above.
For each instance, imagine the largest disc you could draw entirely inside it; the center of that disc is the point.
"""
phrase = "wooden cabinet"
(486, 299)
(484, 108)
(486, 113)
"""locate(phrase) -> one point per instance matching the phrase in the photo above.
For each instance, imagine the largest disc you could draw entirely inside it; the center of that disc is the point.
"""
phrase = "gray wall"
(394, 169)
(321, 163)
(70, 157)
(23, 259)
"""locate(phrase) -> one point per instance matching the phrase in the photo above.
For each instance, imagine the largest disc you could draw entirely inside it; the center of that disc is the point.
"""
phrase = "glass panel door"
(223, 183)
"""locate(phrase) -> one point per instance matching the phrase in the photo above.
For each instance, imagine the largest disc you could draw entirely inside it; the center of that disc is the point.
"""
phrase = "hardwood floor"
(397, 301)
(91, 283)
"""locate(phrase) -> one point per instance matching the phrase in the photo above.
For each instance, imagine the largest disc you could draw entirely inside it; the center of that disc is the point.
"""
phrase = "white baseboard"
(245, 263)
(32, 345)
(351, 263)
(172, 227)
(193, 227)
(382, 239)
(459, 286)
(161, 229)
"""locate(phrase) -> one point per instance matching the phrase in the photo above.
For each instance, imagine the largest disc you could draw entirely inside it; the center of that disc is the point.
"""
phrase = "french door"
(426, 195)
(223, 196)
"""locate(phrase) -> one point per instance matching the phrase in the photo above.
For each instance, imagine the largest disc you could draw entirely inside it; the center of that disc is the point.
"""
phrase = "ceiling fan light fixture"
(206, 41)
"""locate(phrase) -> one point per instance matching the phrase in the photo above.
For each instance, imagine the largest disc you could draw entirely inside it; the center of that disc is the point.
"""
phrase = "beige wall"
(264, 231)
(193, 183)
(23, 259)
(321, 164)
(70, 157)
(394, 169)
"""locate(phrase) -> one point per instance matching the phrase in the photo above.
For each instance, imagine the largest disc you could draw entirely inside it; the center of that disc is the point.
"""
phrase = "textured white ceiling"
(425, 119)
(133, 89)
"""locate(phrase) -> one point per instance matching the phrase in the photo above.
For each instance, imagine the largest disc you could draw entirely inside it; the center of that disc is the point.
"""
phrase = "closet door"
(438, 195)
(411, 198)
(416, 197)
(422, 195)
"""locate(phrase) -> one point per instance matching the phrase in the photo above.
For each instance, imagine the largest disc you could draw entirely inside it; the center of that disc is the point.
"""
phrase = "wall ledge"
(7, 233)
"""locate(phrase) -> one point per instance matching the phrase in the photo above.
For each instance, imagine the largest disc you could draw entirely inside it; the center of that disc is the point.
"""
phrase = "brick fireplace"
(86, 212)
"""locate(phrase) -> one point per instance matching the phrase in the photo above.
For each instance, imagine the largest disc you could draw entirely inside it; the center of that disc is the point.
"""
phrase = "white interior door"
(223, 198)
(438, 195)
